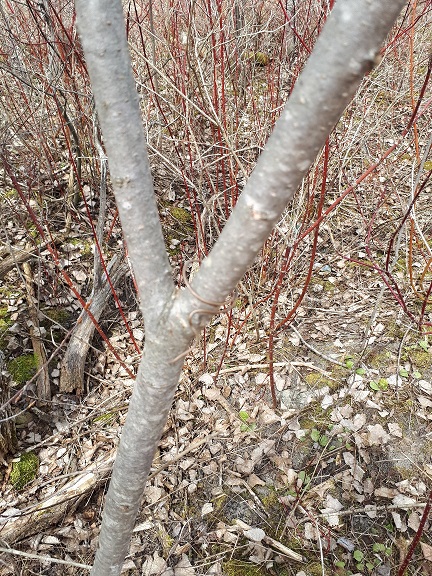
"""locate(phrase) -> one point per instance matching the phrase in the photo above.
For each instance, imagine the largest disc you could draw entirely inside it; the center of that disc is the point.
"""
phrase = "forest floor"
(336, 477)
(338, 473)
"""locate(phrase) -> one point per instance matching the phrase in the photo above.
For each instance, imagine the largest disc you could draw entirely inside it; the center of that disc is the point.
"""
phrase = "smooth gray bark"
(344, 52)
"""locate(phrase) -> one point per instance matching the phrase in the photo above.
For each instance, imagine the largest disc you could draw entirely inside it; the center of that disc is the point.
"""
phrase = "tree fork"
(346, 50)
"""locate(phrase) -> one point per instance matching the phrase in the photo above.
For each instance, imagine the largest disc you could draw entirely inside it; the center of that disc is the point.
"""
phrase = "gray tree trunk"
(345, 51)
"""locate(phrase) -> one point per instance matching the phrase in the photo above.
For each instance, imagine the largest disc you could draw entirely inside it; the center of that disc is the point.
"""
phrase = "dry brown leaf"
(377, 436)
(153, 494)
(268, 416)
(425, 386)
(385, 492)
(184, 567)
(244, 466)
(206, 379)
(397, 520)
(156, 565)
(254, 480)
(403, 501)
(427, 551)
(371, 510)
(424, 402)
(206, 509)
(414, 521)
(310, 531)
(254, 534)
(330, 512)
(395, 429)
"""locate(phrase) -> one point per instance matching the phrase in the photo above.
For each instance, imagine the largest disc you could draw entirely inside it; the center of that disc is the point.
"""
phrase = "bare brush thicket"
(212, 79)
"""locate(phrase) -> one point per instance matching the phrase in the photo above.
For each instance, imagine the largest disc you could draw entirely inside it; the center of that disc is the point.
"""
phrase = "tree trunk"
(345, 51)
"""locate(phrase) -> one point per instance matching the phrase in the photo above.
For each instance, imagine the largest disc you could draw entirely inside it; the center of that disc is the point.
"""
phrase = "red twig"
(417, 536)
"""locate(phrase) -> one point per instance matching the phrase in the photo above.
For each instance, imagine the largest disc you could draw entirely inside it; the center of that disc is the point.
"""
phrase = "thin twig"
(246, 367)
(44, 558)
(315, 351)
(417, 536)
(382, 508)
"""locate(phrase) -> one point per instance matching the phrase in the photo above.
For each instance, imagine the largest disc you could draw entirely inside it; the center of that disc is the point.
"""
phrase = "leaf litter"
(341, 468)
(327, 454)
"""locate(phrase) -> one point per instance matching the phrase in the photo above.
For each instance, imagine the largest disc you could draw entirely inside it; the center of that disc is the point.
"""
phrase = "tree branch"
(345, 51)
(101, 26)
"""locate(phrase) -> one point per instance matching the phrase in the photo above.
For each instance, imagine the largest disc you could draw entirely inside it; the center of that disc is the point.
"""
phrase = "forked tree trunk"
(345, 51)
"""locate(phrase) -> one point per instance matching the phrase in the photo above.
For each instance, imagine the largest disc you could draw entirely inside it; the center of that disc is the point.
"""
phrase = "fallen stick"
(49, 512)
(275, 544)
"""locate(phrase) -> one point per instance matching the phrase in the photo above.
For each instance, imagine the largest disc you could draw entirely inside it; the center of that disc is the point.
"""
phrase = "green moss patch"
(105, 418)
(5, 324)
(181, 215)
(22, 368)
(4, 316)
(420, 358)
(240, 568)
(257, 58)
(380, 359)
(85, 247)
(318, 380)
(24, 471)
(10, 193)
(180, 227)
(57, 315)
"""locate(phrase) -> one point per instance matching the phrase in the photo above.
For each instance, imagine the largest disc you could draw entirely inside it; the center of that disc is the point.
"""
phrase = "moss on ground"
(241, 568)
(317, 380)
(22, 368)
(315, 569)
(327, 286)
(57, 315)
(183, 227)
(166, 541)
(219, 502)
(257, 58)
(85, 246)
(379, 359)
(420, 358)
(395, 330)
(5, 324)
(315, 417)
(24, 471)
(181, 215)
(4, 317)
(10, 193)
(105, 418)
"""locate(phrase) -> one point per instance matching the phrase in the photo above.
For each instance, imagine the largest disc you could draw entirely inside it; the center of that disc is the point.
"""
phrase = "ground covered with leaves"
(300, 439)
(335, 478)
